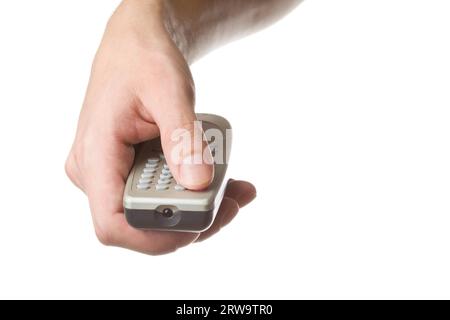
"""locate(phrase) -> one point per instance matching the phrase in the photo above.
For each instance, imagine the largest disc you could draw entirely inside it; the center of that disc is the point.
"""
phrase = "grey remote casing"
(154, 201)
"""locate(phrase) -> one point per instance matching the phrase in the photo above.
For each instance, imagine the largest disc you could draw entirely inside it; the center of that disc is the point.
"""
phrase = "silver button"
(164, 181)
(145, 180)
(151, 165)
(149, 170)
(147, 175)
(143, 186)
(165, 176)
(179, 187)
(166, 166)
(153, 160)
(162, 187)
(166, 171)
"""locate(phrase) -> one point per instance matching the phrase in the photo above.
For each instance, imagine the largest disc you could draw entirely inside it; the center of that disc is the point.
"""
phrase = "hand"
(140, 87)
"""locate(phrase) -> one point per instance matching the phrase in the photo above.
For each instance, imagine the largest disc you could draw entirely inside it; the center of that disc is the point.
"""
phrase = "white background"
(341, 114)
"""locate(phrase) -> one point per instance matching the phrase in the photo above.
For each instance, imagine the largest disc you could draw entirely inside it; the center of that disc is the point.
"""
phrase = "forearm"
(202, 25)
(199, 26)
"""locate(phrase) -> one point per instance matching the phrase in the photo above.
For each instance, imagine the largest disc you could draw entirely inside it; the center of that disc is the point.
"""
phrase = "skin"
(141, 88)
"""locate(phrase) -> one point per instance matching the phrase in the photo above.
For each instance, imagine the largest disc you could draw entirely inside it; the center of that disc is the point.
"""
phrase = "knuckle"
(72, 169)
(181, 134)
(188, 126)
(104, 236)
(69, 167)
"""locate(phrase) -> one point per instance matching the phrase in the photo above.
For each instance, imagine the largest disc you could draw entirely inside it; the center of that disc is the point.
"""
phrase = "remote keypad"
(156, 175)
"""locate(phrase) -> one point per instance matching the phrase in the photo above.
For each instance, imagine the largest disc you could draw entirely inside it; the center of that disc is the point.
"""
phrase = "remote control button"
(145, 180)
(151, 165)
(179, 187)
(165, 176)
(143, 186)
(150, 170)
(164, 182)
(162, 187)
(147, 175)
(153, 160)
(165, 171)
(166, 166)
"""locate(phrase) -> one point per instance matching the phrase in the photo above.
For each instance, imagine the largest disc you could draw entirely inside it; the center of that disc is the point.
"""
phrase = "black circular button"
(167, 212)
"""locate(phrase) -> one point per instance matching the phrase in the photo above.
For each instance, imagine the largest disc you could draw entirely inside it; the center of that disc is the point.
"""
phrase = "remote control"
(153, 200)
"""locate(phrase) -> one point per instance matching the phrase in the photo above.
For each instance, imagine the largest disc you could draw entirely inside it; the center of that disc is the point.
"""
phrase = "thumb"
(186, 151)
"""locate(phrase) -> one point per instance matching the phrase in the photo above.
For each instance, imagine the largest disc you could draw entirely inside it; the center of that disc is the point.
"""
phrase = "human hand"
(140, 87)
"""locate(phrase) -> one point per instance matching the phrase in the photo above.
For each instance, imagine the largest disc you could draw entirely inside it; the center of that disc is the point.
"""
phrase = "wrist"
(179, 27)
(151, 22)
(138, 22)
